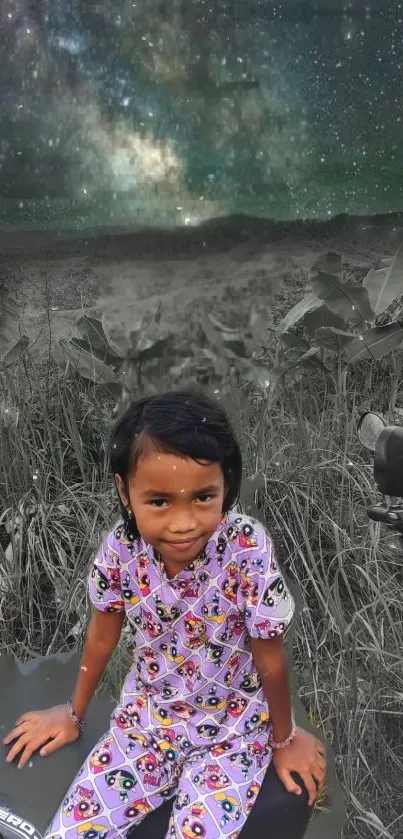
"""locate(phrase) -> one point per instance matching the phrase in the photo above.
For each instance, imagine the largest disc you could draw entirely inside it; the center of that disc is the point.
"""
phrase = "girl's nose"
(183, 525)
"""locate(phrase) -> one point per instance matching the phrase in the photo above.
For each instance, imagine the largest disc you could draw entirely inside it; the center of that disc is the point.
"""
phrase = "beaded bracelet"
(274, 745)
(73, 716)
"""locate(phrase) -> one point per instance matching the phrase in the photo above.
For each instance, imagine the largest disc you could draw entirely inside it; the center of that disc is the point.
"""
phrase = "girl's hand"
(34, 729)
(305, 755)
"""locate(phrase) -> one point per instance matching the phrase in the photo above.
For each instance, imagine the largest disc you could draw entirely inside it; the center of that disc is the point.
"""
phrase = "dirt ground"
(222, 267)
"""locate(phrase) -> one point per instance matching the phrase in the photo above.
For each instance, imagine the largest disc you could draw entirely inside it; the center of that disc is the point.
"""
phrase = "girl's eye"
(159, 501)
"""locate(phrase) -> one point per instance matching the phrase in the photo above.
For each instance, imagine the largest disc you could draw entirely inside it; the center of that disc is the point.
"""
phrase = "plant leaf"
(328, 263)
(309, 303)
(136, 336)
(268, 378)
(294, 341)
(117, 336)
(222, 326)
(154, 348)
(385, 285)
(235, 348)
(265, 377)
(230, 337)
(372, 282)
(343, 300)
(108, 389)
(376, 342)
(332, 338)
(311, 361)
(86, 364)
(259, 328)
(219, 364)
(214, 337)
(307, 359)
(321, 317)
(15, 352)
(105, 357)
(93, 332)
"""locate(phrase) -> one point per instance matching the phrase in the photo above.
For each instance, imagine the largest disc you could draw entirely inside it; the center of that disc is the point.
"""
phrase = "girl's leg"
(277, 812)
(119, 783)
(215, 793)
(274, 813)
(155, 825)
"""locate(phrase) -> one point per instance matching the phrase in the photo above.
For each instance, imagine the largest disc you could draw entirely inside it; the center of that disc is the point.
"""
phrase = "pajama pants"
(131, 772)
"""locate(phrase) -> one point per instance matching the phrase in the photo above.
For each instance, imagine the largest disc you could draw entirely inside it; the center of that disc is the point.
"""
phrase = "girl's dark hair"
(182, 422)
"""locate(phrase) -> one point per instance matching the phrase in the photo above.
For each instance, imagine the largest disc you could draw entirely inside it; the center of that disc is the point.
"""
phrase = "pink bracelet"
(274, 745)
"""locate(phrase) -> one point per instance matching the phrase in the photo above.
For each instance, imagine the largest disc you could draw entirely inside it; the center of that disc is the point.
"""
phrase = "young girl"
(206, 705)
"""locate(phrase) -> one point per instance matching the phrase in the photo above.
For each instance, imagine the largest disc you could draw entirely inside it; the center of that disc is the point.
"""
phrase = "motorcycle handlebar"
(386, 444)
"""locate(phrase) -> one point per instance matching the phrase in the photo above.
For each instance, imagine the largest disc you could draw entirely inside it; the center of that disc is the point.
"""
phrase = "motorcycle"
(385, 442)
(29, 797)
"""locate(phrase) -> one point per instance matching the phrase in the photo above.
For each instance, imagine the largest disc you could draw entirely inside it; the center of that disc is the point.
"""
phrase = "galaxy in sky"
(170, 111)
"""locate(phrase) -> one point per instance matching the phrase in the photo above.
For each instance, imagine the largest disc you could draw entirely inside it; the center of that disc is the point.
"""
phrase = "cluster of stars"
(315, 131)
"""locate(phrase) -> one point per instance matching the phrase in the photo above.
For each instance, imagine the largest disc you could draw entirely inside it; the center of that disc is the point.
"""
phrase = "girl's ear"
(121, 490)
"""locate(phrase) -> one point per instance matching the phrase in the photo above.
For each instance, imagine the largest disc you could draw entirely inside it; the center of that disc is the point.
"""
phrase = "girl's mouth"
(182, 546)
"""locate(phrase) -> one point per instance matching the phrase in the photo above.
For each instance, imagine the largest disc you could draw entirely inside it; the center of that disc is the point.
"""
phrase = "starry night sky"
(169, 111)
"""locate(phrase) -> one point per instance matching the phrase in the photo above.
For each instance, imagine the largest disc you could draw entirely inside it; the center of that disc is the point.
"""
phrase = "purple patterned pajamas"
(192, 721)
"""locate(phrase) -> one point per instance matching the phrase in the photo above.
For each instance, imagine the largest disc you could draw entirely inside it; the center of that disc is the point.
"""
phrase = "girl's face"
(175, 500)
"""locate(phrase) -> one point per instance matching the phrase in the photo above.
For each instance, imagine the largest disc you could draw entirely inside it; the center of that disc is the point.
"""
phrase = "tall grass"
(347, 649)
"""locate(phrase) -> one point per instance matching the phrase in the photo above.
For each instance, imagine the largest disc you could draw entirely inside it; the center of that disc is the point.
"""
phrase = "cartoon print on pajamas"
(212, 778)
(231, 807)
(192, 720)
(130, 596)
(134, 740)
(192, 825)
(101, 756)
(212, 610)
(91, 831)
(234, 626)
(170, 650)
(122, 781)
(251, 795)
(81, 804)
(141, 573)
(190, 671)
(195, 630)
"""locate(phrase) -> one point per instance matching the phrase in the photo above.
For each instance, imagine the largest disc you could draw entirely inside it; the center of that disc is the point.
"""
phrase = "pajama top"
(193, 663)
(192, 718)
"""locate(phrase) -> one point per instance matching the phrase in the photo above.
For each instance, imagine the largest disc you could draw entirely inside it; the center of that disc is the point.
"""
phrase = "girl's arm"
(51, 729)
(102, 639)
(270, 662)
(305, 755)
